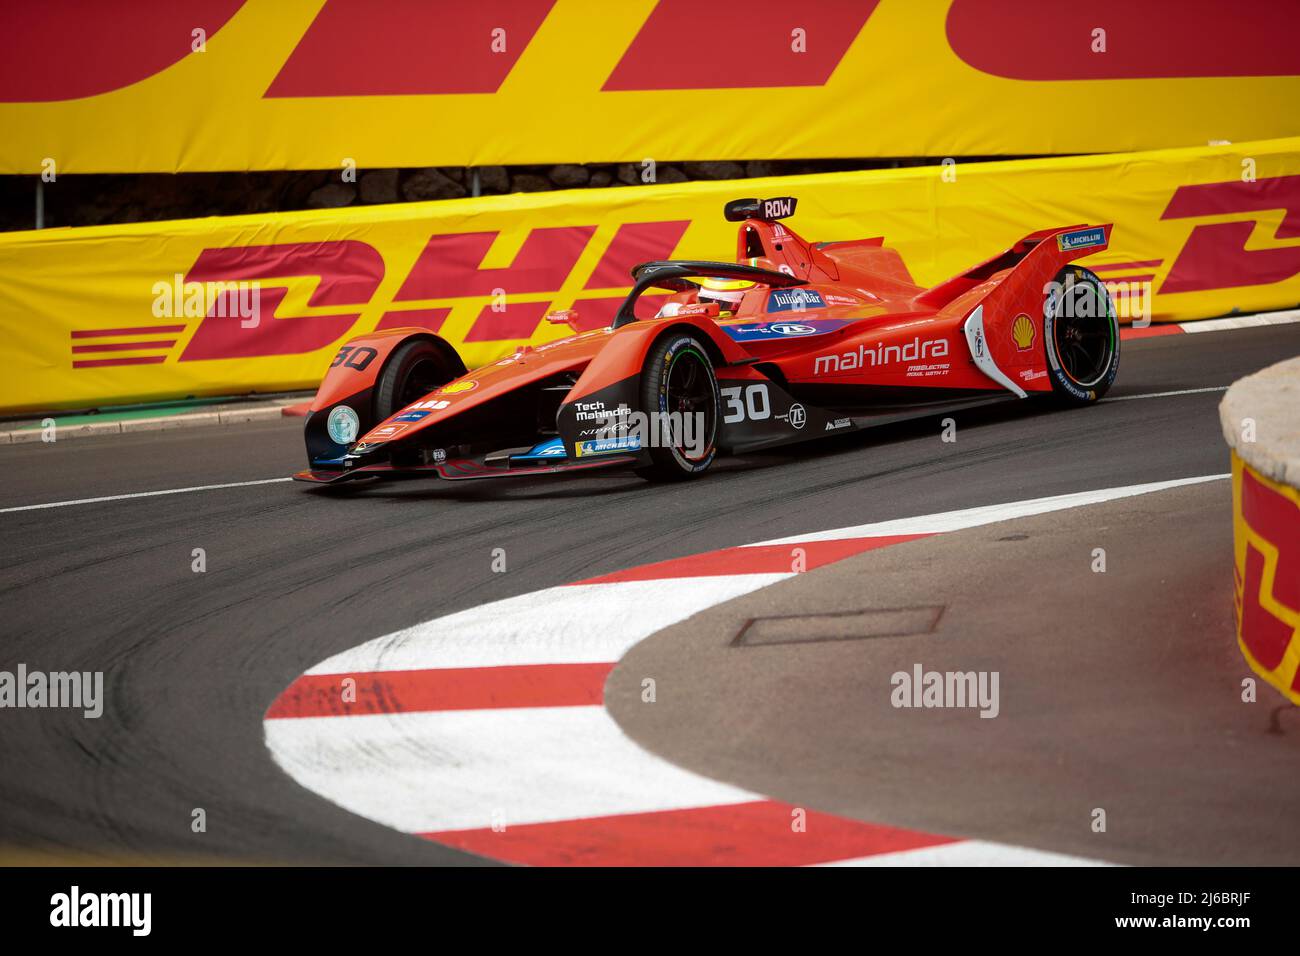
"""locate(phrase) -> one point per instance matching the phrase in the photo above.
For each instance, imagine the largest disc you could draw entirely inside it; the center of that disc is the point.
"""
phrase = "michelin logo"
(1081, 239)
(605, 446)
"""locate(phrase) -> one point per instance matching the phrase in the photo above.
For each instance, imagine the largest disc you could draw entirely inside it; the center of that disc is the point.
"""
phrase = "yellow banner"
(1266, 539)
(117, 314)
(317, 84)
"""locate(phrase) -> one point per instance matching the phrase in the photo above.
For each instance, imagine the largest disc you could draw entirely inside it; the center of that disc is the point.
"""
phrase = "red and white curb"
(485, 730)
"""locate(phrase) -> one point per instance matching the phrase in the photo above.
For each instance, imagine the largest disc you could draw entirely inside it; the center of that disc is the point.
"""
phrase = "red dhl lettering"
(449, 267)
(1268, 593)
(1215, 254)
(390, 57)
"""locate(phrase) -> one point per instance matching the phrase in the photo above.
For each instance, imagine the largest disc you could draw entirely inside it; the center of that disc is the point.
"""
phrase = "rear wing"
(1052, 247)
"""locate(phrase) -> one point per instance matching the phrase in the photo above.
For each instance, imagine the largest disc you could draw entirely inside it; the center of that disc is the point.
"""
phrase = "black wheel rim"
(689, 391)
(1084, 332)
(421, 379)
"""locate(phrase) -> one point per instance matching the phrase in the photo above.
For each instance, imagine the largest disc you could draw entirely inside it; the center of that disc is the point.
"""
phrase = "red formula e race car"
(793, 341)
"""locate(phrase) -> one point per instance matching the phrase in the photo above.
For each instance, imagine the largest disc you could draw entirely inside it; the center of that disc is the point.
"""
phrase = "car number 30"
(754, 405)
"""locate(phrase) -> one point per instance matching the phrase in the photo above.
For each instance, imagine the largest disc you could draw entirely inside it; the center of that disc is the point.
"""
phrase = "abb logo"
(1215, 254)
(449, 267)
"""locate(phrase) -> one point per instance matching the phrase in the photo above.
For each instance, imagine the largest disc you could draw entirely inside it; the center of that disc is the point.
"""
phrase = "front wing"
(458, 470)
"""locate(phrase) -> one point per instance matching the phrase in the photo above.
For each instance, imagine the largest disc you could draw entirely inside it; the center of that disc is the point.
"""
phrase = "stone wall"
(89, 200)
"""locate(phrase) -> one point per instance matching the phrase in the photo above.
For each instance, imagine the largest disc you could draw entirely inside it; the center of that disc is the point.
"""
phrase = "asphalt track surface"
(294, 575)
(1118, 690)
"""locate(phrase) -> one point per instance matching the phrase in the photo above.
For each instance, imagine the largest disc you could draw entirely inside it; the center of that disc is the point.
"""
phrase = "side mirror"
(567, 317)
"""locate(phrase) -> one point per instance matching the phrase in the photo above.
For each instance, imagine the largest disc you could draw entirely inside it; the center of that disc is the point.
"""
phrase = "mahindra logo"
(880, 354)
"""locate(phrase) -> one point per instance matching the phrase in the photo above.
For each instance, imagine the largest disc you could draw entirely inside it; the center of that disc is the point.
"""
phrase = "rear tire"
(414, 370)
(1080, 336)
(678, 377)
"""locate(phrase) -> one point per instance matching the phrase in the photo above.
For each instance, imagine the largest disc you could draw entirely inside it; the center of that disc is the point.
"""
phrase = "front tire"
(414, 370)
(1080, 336)
(678, 379)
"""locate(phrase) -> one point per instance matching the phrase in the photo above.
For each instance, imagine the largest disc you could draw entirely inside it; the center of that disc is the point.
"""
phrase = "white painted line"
(973, 517)
(143, 494)
(575, 624)
(1181, 391)
(1242, 321)
(453, 770)
(970, 853)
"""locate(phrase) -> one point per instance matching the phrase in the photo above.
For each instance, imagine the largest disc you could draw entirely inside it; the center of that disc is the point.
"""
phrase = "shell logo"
(1022, 331)
(455, 387)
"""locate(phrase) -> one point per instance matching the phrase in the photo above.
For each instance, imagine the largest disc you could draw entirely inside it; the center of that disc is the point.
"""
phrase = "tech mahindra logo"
(591, 412)
(880, 355)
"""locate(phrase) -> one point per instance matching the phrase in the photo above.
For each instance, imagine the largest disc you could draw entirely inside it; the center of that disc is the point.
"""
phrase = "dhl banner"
(162, 86)
(151, 311)
(1266, 536)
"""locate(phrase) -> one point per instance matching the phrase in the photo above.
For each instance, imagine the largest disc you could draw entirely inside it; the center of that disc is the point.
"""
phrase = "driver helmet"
(726, 292)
